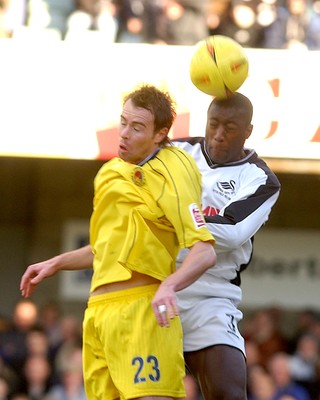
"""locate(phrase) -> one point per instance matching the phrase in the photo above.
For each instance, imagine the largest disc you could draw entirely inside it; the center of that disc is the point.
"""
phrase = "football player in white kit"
(239, 191)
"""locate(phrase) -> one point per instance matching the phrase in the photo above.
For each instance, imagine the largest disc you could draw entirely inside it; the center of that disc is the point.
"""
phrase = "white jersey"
(237, 200)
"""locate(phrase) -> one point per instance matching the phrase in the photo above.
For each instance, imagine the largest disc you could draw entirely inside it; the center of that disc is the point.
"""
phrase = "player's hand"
(35, 274)
(165, 305)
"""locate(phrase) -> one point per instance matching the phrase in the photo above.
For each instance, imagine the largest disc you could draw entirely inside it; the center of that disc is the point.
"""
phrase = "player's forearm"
(81, 258)
(242, 217)
(73, 260)
(201, 257)
(231, 233)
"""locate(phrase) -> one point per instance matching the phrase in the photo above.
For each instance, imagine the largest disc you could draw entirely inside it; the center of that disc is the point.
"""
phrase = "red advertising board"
(63, 100)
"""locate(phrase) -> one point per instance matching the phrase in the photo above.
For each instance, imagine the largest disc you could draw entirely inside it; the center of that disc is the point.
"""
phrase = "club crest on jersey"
(226, 188)
(138, 177)
(196, 216)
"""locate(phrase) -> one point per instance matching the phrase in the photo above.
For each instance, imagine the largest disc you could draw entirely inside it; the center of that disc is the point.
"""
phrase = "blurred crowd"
(40, 355)
(283, 364)
(276, 24)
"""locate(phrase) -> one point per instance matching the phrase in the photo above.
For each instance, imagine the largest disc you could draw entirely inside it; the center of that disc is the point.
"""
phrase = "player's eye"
(230, 128)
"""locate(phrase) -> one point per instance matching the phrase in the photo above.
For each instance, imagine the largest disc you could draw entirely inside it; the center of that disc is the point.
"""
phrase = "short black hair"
(237, 100)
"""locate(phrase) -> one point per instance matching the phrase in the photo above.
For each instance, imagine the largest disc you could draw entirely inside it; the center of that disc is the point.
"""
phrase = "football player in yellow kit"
(147, 206)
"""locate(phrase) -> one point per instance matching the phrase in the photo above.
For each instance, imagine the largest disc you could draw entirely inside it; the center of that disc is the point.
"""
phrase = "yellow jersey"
(143, 214)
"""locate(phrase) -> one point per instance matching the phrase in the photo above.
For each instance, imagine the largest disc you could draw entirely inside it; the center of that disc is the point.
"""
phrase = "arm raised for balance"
(78, 259)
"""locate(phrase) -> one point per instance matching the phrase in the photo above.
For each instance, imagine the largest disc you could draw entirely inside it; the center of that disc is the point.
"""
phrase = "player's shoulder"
(113, 168)
(176, 153)
(110, 164)
(176, 159)
(261, 165)
(193, 145)
(187, 142)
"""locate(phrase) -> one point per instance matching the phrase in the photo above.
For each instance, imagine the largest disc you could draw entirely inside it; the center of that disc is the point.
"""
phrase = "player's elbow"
(235, 242)
(204, 255)
(235, 238)
(210, 258)
(213, 260)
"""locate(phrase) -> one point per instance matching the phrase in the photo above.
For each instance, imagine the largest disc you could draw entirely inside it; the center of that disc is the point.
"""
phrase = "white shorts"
(209, 320)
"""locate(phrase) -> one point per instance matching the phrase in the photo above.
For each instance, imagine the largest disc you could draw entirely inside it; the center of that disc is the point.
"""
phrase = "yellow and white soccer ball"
(218, 66)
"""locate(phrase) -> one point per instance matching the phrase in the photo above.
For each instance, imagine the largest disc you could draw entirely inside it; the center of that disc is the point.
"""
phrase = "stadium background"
(58, 125)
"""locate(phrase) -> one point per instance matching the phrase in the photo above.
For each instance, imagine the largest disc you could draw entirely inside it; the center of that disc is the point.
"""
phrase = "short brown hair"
(158, 102)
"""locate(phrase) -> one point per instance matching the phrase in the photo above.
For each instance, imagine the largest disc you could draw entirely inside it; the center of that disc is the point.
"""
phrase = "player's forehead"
(218, 111)
(224, 113)
(134, 114)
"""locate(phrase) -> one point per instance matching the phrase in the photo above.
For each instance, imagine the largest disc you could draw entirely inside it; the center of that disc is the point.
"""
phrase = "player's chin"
(126, 156)
(219, 156)
(123, 154)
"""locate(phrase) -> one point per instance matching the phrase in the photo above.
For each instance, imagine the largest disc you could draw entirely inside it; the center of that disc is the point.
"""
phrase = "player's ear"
(161, 135)
(249, 131)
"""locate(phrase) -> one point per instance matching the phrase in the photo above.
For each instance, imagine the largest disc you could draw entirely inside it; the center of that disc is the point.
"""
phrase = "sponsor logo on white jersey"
(196, 216)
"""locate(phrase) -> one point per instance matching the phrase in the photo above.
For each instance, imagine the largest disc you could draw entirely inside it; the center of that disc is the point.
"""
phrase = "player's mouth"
(123, 148)
(217, 147)
(218, 153)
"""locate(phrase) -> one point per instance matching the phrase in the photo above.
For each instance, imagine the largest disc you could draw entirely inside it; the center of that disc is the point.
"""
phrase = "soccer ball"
(218, 66)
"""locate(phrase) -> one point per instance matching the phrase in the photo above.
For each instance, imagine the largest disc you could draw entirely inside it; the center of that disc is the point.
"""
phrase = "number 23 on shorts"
(147, 369)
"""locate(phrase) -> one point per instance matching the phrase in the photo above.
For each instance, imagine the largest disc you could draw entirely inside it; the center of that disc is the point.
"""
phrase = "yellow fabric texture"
(143, 215)
(126, 353)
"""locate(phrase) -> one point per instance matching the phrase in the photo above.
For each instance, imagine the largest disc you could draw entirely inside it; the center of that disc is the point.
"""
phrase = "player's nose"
(219, 133)
(124, 131)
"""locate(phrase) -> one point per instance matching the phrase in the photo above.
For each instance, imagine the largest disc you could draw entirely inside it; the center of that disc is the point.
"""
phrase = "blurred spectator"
(252, 353)
(50, 14)
(9, 375)
(71, 339)
(306, 319)
(315, 326)
(304, 363)
(20, 396)
(4, 389)
(4, 30)
(313, 36)
(70, 386)
(13, 340)
(242, 20)
(37, 377)
(37, 342)
(263, 329)
(12, 16)
(260, 384)
(173, 22)
(138, 20)
(218, 15)
(131, 15)
(279, 369)
(4, 323)
(276, 24)
(94, 15)
(49, 320)
(297, 26)
(183, 22)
